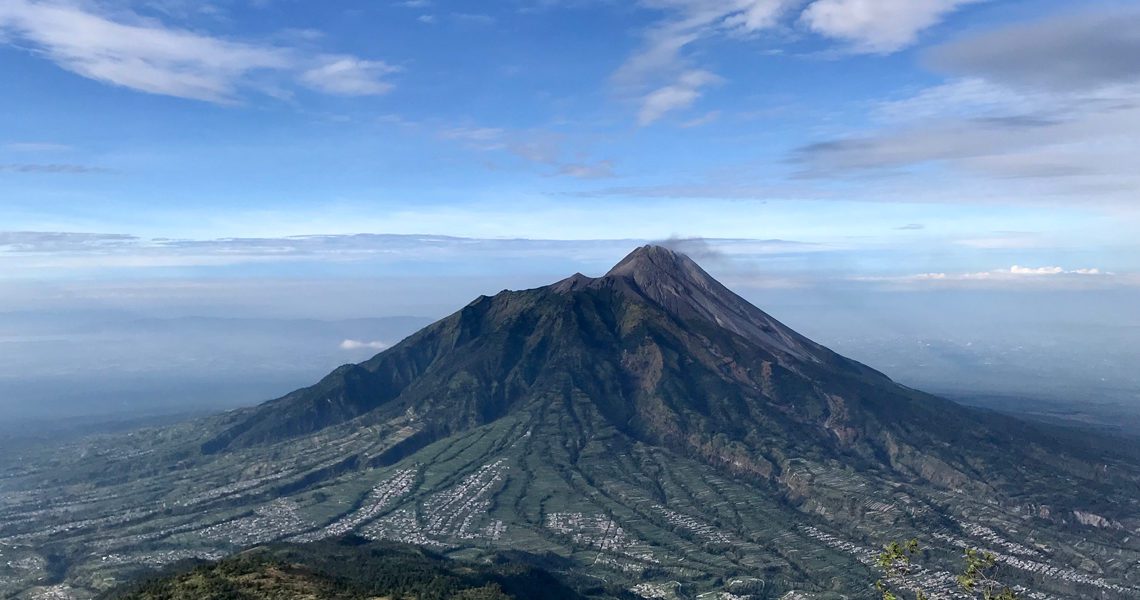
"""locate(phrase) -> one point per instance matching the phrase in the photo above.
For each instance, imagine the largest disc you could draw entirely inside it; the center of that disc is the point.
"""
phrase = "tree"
(896, 560)
(978, 576)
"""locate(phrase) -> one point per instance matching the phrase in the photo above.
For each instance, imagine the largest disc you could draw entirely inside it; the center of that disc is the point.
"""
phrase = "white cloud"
(349, 76)
(877, 26)
(1014, 274)
(1020, 270)
(360, 345)
(145, 55)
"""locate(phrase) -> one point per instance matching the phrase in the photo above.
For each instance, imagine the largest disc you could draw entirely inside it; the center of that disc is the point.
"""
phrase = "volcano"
(648, 427)
(656, 349)
(661, 353)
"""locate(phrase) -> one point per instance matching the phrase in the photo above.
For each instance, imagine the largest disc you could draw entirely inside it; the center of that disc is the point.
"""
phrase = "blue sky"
(918, 142)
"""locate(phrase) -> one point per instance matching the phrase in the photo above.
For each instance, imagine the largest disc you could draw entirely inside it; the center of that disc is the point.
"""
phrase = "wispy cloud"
(704, 119)
(599, 170)
(879, 26)
(35, 147)
(1044, 111)
(61, 168)
(547, 149)
(50, 241)
(1081, 49)
(1004, 241)
(349, 76)
(473, 18)
(659, 73)
(680, 94)
(46, 251)
(663, 78)
(142, 54)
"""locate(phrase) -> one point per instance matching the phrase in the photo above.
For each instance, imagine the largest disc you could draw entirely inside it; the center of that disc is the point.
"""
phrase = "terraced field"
(554, 479)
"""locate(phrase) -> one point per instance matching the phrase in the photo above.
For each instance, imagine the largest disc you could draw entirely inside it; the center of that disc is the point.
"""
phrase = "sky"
(280, 159)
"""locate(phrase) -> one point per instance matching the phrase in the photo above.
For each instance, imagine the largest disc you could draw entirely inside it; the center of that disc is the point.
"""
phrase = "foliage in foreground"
(976, 579)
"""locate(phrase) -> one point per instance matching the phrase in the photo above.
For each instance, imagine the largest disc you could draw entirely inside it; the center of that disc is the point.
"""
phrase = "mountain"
(663, 353)
(648, 427)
